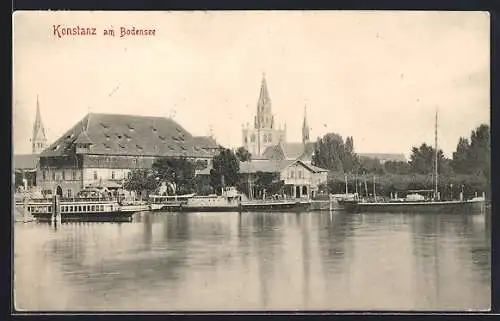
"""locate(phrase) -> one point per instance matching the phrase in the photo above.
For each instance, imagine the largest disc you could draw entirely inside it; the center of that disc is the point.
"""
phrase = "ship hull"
(210, 209)
(459, 207)
(276, 207)
(126, 216)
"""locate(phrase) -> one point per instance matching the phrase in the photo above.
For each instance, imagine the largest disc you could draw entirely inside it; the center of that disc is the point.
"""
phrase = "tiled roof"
(266, 166)
(26, 161)
(289, 151)
(205, 142)
(384, 156)
(316, 169)
(111, 134)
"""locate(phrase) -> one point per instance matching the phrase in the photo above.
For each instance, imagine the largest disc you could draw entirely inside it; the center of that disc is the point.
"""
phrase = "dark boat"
(464, 206)
(416, 203)
(276, 205)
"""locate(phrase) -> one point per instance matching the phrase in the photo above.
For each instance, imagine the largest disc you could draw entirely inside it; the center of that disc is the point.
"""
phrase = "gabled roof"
(26, 161)
(316, 169)
(289, 151)
(111, 134)
(267, 166)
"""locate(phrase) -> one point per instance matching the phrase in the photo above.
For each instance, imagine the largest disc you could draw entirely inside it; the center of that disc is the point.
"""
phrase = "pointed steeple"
(39, 140)
(264, 118)
(305, 128)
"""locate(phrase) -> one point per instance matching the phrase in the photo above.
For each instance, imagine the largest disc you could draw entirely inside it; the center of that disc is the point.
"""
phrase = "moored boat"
(427, 206)
(280, 205)
(87, 210)
(416, 203)
(168, 203)
(229, 201)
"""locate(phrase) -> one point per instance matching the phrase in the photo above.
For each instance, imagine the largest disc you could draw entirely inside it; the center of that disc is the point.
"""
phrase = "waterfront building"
(103, 149)
(264, 133)
(300, 180)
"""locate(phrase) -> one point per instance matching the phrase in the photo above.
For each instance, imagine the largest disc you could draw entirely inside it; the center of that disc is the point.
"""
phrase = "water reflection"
(256, 261)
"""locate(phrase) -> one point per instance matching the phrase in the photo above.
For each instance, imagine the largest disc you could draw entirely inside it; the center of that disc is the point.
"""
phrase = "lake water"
(256, 261)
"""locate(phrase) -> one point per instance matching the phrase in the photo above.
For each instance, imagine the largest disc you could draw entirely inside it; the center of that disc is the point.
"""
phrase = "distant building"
(384, 157)
(25, 165)
(39, 139)
(102, 150)
(293, 151)
(300, 179)
(264, 132)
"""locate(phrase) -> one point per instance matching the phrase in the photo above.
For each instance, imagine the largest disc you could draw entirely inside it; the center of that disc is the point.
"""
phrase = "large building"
(102, 149)
(264, 133)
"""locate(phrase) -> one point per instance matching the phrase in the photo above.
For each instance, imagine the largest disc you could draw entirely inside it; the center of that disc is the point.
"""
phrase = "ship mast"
(436, 158)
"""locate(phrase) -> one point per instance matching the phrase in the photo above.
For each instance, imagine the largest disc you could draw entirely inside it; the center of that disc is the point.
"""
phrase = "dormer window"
(104, 126)
(153, 129)
(130, 127)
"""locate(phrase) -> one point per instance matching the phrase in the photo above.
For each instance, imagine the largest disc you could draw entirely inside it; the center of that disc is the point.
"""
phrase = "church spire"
(39, 140)
(264, 118)
(305, 128)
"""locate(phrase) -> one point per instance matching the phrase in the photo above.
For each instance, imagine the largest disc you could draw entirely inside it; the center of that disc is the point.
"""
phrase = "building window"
(70, 193)
(292, 174)
(129, 175)
(246, 139)
(63, 175)
(112, 175)
(134, 162)
(53, 176)
(44, 175)
(73, 175)
(95, 175)
(300, 174)
(252, 138)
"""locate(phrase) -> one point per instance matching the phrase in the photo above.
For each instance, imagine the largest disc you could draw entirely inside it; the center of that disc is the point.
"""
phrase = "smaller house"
(300, 180)
(25, 167)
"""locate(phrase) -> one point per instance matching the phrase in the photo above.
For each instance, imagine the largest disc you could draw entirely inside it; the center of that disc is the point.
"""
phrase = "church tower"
(264, 132)
(264, 118)
(38, 140)
(305, 128)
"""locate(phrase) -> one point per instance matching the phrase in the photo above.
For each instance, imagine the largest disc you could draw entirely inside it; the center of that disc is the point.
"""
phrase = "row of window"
(63, 176)
(81, 208)
(267, 138)
(292, 174)
(45, 175)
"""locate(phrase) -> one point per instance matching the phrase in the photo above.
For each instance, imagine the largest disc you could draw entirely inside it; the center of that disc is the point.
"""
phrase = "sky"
(378, 76)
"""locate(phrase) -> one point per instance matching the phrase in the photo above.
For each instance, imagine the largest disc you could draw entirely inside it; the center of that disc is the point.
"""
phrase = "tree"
(328, 152)
(370, 165)
(474, 157)
(480, 150)
(461, 158)
(225, 171)
(243, 154)
(270, 182)
(179, 171)
(422, 159)
(140, 181)
(397, 167)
